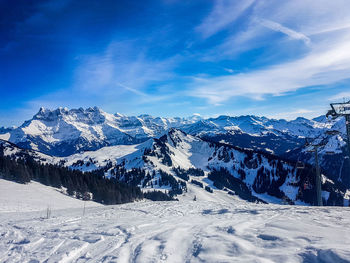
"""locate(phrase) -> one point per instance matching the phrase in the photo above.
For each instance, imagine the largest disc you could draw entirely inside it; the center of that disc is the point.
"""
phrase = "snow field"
(34, 196)
(215, 228)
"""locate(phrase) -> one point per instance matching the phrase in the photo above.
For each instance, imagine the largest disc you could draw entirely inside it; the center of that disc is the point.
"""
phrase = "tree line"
(86, 186)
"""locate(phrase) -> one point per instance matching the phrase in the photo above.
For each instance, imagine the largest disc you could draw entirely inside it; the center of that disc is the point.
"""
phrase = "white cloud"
(322, 24)
(306, 16)
(229, 70)
(223, 14)
(305, 20)
(236, 44)
(293, 114)
(117, 78)
(135, 91)
(340, 96)
(320, 67)
(285, 30)
(121, 65)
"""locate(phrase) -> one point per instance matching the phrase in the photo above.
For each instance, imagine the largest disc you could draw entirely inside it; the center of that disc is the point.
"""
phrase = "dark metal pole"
(347, 125)
(318, 179)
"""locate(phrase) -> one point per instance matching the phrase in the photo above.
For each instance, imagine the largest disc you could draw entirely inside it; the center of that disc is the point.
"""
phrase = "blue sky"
(280, 59)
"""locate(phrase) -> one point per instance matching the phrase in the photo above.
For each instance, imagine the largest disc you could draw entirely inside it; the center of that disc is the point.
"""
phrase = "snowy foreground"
(217, 229)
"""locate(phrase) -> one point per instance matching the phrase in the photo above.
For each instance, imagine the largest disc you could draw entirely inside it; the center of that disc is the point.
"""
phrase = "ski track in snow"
(184, 231)
(215, 228)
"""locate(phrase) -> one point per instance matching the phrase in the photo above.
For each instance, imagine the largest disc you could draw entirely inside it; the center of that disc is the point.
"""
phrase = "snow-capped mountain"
(286, 139)
(62, 132)
(259, 133)
(258, 126)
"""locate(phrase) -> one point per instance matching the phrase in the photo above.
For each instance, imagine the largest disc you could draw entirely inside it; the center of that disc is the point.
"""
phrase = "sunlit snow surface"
(215, 228)
(35, 197)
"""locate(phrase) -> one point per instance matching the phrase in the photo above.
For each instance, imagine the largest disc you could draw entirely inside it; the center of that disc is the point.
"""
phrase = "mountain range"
(62, 132)
(253, 157)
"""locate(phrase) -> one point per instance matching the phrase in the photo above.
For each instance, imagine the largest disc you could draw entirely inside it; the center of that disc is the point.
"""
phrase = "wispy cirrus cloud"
(120, 77)
(325, 62)
(285, 30)
(120, 69)
(223, 14)
(184, 55)
(320, 67)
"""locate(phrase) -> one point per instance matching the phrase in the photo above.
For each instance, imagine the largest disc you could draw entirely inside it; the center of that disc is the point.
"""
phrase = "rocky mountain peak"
(89, 115)
(50, 115)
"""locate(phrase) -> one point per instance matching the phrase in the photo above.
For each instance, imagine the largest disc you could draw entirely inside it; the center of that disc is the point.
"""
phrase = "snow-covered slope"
(261, 175)
(91, 160)
(34, 196)
(11, 149)
(185, 231)
(286, 139)
(251, 175)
